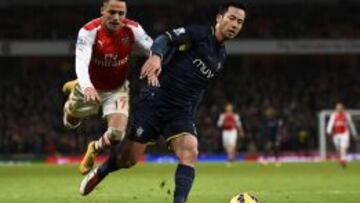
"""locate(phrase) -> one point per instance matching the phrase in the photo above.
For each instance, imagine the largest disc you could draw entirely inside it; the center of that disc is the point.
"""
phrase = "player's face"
(113, 13)
(229, 108)
(230, 23)
(339, 107)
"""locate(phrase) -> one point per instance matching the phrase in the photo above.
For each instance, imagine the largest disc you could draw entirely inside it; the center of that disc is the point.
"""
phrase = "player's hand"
(153, 80)
(151, 67)
(90, 94)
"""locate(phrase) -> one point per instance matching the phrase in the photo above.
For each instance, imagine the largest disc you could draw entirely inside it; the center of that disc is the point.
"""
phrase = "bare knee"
(186, 149)
(115, 134)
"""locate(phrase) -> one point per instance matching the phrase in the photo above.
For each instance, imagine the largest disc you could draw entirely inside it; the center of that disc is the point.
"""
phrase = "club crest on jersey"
(179, 31)
(207, 72)
(139, 131)
(81, 43)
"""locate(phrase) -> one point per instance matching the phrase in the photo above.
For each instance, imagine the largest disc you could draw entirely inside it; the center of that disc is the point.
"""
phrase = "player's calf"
(186, 149)
(110, 138)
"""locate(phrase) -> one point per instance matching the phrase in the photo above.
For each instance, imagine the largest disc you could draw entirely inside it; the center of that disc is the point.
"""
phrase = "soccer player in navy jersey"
(191, 57)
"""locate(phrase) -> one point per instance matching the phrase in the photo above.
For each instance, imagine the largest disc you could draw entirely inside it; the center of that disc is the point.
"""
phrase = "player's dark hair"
(237, 4)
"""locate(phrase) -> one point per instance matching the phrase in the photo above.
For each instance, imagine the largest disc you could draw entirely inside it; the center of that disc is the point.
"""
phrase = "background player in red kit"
(230, 123)
(102, 53)
(339, 127)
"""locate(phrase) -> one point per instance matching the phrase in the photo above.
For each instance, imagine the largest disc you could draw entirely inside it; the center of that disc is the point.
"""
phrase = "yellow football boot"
(88, 160)
(69, 86)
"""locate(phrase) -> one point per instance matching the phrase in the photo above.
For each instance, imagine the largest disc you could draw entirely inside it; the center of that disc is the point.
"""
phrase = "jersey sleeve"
(330, 124)
(83, 54)
(351, 125)
(220, 121)
(238, 120)
(143, 41)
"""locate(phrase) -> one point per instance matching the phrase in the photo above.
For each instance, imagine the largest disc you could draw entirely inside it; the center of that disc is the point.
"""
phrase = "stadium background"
(288, 62)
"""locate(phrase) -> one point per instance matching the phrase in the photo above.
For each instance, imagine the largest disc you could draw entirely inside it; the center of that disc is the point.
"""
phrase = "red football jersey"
(229, 121)
(339, 123)
(102, 57)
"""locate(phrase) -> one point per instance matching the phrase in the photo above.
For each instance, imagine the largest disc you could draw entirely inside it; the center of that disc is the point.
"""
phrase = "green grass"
(215, 183)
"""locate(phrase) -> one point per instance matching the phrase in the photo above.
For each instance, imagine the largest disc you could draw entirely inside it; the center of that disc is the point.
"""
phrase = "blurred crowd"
(263, 21)
(290, 88)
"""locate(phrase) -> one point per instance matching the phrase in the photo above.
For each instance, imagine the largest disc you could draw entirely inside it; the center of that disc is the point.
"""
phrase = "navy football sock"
(110, 165)
(184, 178)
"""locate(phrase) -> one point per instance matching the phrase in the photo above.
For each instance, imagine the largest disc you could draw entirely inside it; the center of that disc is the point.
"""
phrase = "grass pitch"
(214, 183)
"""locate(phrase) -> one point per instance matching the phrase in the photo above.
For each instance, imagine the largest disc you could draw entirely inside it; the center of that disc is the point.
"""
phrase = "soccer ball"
(244, 198)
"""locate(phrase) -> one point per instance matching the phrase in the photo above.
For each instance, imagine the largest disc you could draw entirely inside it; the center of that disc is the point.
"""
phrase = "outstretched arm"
(83, 54)
(152, 66)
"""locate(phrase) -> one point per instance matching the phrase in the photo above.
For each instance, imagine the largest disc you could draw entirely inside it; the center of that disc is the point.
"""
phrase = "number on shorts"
(121, 102)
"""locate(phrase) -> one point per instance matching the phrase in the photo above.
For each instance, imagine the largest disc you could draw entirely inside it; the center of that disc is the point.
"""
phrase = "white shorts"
(341, 140)
(229, 137)
(115, 101)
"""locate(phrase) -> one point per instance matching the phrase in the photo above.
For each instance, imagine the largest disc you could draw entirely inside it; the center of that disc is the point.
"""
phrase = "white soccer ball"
(244, 198)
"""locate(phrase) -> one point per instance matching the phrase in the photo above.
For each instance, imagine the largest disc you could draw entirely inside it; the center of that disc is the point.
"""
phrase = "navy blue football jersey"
(192, 57)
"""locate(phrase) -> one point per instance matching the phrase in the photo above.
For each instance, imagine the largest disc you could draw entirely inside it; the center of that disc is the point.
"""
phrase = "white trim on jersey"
(84, 46)
(142, 40)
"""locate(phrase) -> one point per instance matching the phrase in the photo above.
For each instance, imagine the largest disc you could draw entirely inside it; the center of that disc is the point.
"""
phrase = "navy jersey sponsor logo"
(207, 72)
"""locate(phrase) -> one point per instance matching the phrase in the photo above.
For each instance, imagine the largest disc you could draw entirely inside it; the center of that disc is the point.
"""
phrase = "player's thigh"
(181, 135)
(337, 142)
(77, 107)
(117, 121)
(344, 141)
(116, 102)
(178, 127)
(144, 127)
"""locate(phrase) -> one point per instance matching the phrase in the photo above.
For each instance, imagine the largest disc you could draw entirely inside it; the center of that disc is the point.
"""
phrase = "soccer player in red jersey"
(102, 52)
(230, 123)
(339, 127)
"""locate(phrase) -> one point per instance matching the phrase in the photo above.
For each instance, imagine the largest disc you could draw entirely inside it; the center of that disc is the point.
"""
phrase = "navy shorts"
(152, 119)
